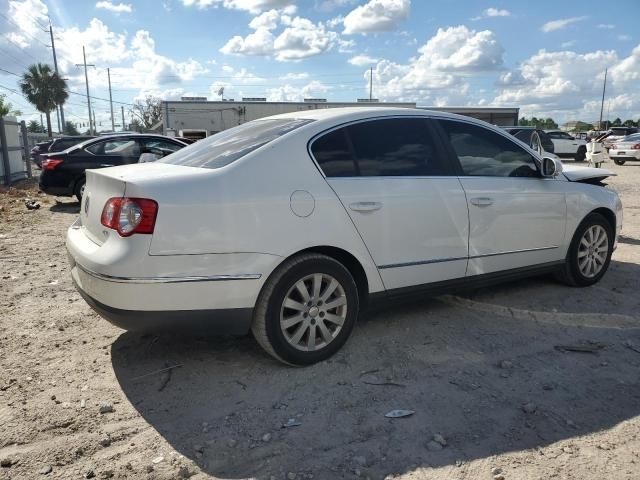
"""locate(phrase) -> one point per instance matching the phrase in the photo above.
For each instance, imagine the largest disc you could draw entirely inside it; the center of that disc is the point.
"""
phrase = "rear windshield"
(228, 146)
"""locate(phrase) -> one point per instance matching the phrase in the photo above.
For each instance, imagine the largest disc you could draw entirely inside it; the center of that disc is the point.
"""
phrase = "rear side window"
(379, 148)
(333, 154)
(482, 152)
(228, 146)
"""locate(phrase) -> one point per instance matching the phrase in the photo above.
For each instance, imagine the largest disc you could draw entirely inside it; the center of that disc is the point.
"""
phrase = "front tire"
(307, 310)
(590, 252)
(581, 154)
(619, 162)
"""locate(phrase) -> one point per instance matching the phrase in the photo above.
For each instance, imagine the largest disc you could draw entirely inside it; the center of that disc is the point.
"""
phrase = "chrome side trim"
(422, 262)
(207, 278)
(453, 259)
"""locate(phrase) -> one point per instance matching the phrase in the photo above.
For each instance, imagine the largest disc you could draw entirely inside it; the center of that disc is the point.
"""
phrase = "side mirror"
(551, 167)
(148, 157)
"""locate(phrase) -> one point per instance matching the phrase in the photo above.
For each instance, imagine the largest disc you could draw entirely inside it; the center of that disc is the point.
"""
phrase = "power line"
(22, 31)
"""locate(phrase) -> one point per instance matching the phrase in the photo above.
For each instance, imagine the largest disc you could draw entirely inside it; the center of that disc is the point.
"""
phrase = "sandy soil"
(493, 396)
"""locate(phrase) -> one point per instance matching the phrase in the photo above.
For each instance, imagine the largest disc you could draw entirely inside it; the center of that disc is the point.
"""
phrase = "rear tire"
(590, 252)
(78, 190)
(619, 162)
(307, 310)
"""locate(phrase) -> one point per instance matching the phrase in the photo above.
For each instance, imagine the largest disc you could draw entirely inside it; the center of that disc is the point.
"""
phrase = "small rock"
(506, 364)
(434, 446)
(149, 468)
(360, 460)
(498, 477)
(106, 407)
(266, 437)
(529, 407)
(459, 463)
(198, 448)
(106, 474)
(496, 471)
(231, 443)
(89, 474)
(83, 403)
(6, 462)
(157, 460)
(46, 470)
(183, 472)
(440, 439)
(567, 450)
(105, 442)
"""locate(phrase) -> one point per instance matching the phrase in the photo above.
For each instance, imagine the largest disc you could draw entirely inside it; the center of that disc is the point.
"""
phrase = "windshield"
(228, 146)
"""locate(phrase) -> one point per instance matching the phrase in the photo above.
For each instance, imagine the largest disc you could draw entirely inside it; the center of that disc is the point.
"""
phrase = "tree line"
(549, 124)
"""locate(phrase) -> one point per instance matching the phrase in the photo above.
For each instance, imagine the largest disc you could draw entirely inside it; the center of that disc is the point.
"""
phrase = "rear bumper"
(233, 321)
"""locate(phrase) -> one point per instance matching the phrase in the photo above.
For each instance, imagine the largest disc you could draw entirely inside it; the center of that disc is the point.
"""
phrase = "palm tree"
(45, 89)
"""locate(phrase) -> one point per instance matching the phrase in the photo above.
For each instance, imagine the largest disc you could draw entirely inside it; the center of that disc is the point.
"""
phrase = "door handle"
(482, 201)
(365, 206)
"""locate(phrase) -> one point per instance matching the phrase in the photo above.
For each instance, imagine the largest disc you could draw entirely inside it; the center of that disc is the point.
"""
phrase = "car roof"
(345, 114)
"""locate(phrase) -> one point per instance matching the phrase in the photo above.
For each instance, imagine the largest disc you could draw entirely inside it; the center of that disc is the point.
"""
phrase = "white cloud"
(253, 6)
(329, 5)
(624, 38)
(294, 76)
(438, 74)
(289, 93)
(606, 26)
(300, 38)
(568, 44)
(568, 85)
(377, 16)
(362, 60)
(559, 24)
(114, 7)
(495, 12)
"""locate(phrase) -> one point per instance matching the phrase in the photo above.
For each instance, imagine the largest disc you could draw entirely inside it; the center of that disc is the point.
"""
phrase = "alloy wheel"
(593, 250)
(313, 312)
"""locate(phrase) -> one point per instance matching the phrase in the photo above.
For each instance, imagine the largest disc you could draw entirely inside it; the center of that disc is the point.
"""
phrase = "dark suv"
(63, 172)
(534, 137)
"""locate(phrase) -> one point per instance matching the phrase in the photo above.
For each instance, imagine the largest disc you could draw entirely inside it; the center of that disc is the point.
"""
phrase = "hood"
(575, 173)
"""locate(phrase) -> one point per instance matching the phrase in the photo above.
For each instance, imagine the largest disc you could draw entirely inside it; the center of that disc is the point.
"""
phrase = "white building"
(198, 118)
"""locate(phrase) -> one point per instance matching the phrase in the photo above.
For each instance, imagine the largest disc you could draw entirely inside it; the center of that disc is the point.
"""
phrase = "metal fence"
(14, 150)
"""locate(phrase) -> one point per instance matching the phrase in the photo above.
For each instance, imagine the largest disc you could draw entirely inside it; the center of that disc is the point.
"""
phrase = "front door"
(516, 218)
(396, 185)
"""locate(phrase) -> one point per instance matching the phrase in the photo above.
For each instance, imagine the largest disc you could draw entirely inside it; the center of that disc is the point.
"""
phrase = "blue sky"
(545, 57)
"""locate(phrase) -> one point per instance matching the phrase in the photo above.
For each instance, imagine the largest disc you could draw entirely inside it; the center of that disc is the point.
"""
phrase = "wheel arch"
(606, 213)
(350, 262)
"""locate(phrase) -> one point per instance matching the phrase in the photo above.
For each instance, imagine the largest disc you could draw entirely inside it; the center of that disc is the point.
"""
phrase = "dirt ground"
(493, 395)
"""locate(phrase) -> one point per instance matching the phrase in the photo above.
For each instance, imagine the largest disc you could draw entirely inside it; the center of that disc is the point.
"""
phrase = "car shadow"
(628, 240)
(494, 370)
(70, 206)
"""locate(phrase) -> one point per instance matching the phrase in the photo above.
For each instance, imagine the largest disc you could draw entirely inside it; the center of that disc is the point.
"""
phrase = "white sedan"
(291, 225)
(626, 149)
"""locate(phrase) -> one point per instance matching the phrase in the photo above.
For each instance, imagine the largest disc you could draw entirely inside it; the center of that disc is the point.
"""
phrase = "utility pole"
(113, 123)
(371, 84)
(122, 111)
(95, 125)
(86, 79)
(55, 66)
(604, 87)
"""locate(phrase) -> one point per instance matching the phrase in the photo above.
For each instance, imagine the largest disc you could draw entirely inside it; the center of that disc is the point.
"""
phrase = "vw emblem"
(86, 206)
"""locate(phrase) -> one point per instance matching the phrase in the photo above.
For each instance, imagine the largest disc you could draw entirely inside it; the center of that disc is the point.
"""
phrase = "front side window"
(482, 152)
(229, 145)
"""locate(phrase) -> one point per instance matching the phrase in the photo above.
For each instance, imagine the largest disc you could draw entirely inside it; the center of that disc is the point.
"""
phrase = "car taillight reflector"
(130, 215)
(636, 146)
(51, 163)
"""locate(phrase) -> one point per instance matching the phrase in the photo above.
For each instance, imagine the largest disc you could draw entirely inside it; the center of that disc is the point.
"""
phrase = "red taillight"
(51, 163)
(636, 146)
(130, 215)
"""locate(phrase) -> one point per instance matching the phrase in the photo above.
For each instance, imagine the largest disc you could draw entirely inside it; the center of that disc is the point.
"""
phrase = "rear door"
(113, 151)
(395, 183)
(516, 217)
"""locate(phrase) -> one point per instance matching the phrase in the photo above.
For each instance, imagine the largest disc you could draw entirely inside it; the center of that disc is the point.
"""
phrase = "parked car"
(615, 134)
(536, 138)
(63, 173)
(39, 149)
(565, 145)
(625, 149)
(289, 226)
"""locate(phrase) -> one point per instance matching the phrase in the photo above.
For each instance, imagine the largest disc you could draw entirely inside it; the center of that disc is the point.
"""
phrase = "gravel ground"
(493, 396)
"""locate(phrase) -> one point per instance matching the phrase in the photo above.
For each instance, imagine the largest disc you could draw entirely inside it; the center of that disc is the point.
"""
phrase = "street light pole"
(55, 66)
(113, 123)
(86, 79)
